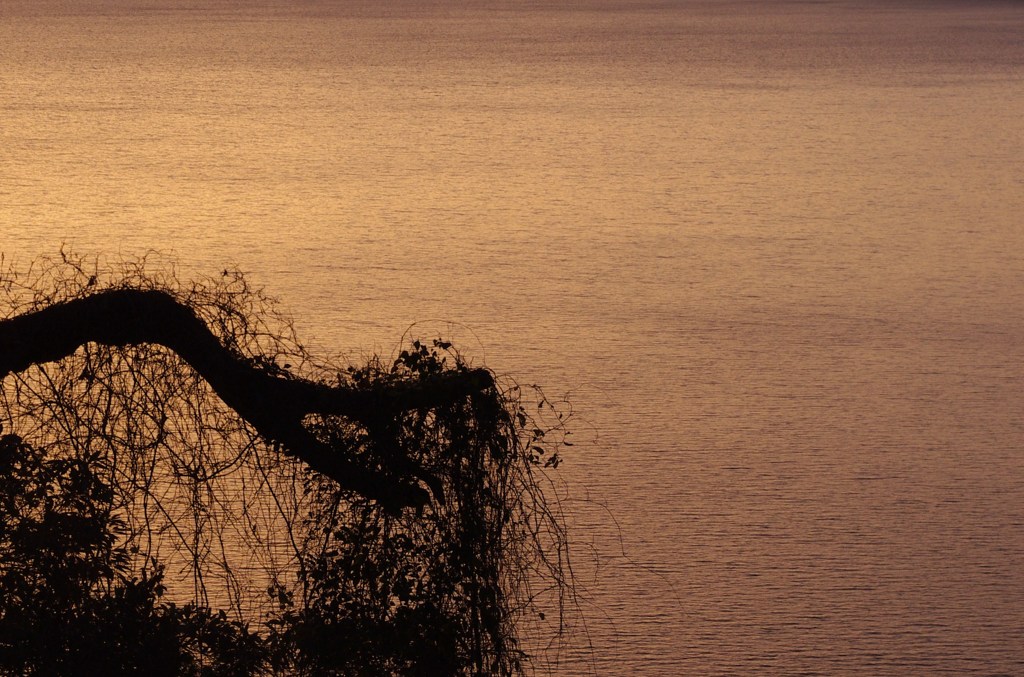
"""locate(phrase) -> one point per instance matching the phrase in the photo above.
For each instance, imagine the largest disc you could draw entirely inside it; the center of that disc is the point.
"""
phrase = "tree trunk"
(274, 405)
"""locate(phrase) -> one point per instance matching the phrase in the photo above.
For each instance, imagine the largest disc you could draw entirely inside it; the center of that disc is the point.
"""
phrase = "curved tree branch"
(274, 405)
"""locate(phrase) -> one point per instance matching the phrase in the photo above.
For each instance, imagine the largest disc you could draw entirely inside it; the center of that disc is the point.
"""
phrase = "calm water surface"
(773, 250)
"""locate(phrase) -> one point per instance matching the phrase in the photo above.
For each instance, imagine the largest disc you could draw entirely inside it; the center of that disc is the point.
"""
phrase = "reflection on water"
(773, 249)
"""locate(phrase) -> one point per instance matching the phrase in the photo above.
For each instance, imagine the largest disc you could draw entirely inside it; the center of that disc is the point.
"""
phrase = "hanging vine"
(134, 492)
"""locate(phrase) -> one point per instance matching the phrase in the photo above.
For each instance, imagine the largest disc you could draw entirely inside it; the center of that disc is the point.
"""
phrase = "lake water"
(773, 251)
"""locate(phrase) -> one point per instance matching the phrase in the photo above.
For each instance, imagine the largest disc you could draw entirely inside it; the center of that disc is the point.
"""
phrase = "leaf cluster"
(69, 604)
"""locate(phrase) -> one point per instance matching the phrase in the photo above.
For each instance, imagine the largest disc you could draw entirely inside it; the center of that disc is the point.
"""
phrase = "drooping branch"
(275, 405)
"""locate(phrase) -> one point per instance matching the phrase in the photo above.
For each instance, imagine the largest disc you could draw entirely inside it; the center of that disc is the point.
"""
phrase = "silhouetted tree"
(393, 515)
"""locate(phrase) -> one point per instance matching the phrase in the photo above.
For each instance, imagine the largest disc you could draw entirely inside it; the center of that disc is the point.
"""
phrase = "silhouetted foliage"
(129, 467)
(69, 604)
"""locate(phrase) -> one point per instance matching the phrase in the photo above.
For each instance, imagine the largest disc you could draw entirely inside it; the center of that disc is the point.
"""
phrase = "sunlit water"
(773, 250)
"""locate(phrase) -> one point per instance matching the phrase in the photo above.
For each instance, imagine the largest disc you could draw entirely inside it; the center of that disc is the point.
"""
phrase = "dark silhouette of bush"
(69, 604)
(410, 531)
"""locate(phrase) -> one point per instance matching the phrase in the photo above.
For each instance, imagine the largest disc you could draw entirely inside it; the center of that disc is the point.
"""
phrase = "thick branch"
(275, 406)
